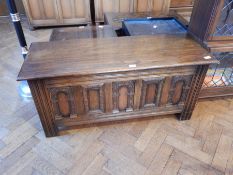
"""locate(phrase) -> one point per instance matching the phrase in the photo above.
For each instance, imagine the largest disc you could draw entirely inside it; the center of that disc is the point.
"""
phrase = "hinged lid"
(106, 55)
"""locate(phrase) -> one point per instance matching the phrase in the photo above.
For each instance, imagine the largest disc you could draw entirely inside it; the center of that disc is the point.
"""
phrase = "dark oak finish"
(181, 3)
(203, 18)
(114, 79)
(216, 92)
(110, 55)
(220, 46)
(70, 33)
(212, 20)
(211, 25)
(194, 92)
(44, 107)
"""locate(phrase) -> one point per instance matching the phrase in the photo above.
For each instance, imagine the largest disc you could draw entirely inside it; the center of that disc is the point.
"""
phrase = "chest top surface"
(108, 55)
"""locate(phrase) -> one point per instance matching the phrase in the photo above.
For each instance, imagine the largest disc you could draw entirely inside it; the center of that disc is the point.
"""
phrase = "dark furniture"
(70, 33)
(88, 81)
(205, 18)
(116, 19)
(212, 25)
(153, 26)
(72, 12)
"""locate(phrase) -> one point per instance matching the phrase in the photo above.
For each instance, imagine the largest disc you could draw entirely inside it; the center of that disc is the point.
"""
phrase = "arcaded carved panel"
(93, 98)
(123, 96)
(179, 89)
(151, 92)
(63, 102)
(71, 102)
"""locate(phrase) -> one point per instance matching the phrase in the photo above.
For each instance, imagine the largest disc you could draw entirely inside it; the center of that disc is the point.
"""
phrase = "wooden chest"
(77, 83)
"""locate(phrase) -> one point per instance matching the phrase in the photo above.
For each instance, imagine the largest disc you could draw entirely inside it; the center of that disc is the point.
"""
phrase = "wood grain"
(55, 59)
(181, 3)
(70, 33)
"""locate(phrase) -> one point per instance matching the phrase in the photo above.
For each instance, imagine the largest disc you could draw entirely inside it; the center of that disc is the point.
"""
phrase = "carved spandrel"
(117, 96)
(151, 92)
(179, 89)
(63, 102)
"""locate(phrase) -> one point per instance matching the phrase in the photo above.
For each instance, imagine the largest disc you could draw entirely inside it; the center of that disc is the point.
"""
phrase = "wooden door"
(41, 12)
(181, 3)
(74, 11)
(103, 6)
(129, 6)
(161, 6)
(4, 10)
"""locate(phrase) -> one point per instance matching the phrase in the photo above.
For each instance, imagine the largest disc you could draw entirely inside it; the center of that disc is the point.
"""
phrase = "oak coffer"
(88, 81)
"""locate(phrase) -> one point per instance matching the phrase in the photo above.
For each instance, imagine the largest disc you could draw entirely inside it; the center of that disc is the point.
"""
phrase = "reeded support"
(194, 92)
(44, 107)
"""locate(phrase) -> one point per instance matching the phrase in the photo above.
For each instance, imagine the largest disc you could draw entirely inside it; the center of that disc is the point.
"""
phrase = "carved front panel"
(72, 102)
(123, 95)
(151, 92)
(179, 89)
(94, 101)
(93, 98)
(63, 102)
